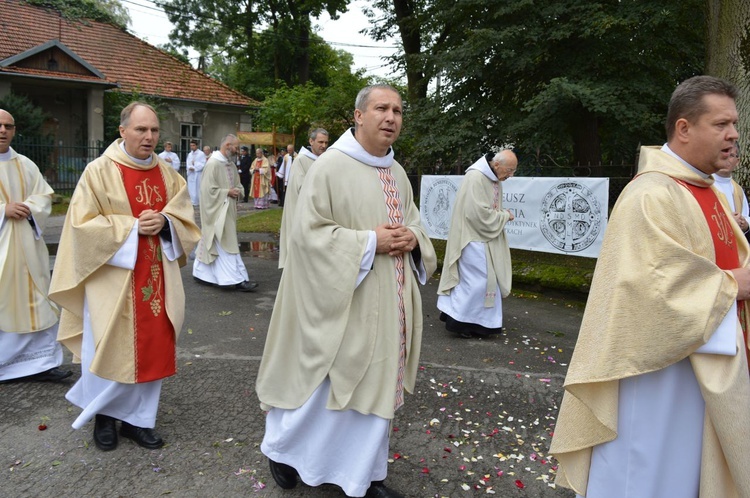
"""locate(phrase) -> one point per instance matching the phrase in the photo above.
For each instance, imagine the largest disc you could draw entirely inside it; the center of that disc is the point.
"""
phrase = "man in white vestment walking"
(476, 270)
(170, 157)
(218, 260)
(285, 171)
(195, 162)
(300, 167)
(657, 393)
(28, 319)
(122, 296)
(345, 334)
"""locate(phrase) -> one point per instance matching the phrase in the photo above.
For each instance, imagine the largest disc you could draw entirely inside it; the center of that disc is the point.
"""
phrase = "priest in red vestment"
(122, 297)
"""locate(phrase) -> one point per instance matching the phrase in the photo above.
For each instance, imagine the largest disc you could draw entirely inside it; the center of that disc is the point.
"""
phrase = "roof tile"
(124, 59)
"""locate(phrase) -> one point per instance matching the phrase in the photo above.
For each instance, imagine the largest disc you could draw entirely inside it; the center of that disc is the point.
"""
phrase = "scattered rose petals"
(519, 484)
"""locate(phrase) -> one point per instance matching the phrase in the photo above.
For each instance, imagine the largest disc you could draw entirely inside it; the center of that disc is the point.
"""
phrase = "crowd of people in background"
(262, 172)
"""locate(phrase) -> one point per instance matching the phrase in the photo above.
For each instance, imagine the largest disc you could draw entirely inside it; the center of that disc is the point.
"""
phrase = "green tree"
(98, 10)
(296, 109)
(226, 31)
(576, 80)
(30, 129)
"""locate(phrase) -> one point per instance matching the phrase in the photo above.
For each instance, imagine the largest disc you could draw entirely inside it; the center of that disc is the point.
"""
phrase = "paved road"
(479, 423)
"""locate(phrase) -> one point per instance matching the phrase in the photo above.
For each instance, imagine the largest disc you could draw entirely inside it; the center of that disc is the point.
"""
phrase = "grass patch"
(530, 268)
(60, 205)
(266, 221)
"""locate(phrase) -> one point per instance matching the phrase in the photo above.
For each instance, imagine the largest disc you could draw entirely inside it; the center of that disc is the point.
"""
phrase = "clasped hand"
(394, 239)
(150, 222)
(17, 210)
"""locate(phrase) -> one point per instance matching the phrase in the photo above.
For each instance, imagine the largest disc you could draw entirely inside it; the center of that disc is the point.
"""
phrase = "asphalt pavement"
(479, 423)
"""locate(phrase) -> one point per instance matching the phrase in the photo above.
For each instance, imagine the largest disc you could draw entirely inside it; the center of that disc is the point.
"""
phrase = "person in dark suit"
(245, 171)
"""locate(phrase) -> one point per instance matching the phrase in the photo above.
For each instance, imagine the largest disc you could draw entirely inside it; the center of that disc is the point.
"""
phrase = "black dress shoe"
(284, 475)
(203, 282)
(105, 433)
(246, 286)
(51, 375)
(142, 436)
(379, 490)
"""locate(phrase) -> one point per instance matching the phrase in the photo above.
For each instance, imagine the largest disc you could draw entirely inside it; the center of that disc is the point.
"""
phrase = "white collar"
(304, 151)
(219, 156)
(7, 156)
(348, 144)
(483, 167)
(142, 162)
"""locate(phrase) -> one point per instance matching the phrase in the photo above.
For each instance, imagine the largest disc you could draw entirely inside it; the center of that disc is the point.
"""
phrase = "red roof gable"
(122, 58)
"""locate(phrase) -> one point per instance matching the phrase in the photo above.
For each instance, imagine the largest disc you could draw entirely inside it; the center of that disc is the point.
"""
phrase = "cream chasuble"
(323, 324)
(218, 210)
(24, 259)
(657, 296)
(478, 216)
(302, 164)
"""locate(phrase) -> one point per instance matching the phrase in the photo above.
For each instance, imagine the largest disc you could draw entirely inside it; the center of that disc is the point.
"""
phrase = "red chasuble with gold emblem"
(257, 180)
(725, 244)
(154, 333)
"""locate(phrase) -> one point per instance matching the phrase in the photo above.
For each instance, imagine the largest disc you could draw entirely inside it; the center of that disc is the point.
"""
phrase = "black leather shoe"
(51, 375)
(379, 490)
(284, 475)
(203, 282)
(142, 436)
(105, 433)
(246, 286)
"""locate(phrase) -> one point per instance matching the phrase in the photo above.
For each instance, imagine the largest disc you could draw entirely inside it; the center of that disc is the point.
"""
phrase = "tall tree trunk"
(728, 57)
(304, 48)
(410, 31)
(248, 29)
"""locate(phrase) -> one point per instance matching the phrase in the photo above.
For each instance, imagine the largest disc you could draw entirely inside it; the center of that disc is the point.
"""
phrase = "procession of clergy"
(658, 387)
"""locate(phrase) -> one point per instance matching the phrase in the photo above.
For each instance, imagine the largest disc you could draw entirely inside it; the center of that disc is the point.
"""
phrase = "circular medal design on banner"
(571, 217)
(436, 205)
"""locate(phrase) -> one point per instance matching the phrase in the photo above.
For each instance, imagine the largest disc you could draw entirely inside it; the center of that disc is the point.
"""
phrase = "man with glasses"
(28, 319)
(476, 270)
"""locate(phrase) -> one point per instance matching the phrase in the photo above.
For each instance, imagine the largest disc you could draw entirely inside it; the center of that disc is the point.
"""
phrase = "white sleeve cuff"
(128, 252)
(724, 339)
(367, 259)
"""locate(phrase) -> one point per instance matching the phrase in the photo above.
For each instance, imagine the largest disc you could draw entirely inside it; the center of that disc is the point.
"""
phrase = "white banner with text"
(557, 215)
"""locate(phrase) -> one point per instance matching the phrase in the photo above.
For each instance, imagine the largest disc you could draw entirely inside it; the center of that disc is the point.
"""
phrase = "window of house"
(188, 132)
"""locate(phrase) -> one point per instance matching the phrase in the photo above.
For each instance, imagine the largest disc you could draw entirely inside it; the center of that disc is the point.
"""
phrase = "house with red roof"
(66, 66)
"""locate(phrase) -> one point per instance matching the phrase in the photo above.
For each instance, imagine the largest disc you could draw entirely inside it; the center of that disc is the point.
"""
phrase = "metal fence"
(62, 166)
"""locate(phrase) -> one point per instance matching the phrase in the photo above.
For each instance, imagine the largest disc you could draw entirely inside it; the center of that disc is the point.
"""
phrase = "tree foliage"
(270, 39)
(111, 11)
(298, 108)
(29, 118)
(30, 127)
(580, 81)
